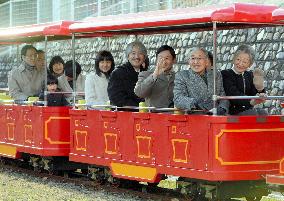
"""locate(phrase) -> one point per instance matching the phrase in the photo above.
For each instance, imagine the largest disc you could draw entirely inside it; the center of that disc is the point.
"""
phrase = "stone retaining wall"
(268, 43)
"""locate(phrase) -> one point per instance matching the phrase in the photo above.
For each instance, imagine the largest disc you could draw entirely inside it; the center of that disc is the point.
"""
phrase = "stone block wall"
(268, 43)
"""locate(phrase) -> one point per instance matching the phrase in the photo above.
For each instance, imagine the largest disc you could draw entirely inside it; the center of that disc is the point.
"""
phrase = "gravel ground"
(20, 186)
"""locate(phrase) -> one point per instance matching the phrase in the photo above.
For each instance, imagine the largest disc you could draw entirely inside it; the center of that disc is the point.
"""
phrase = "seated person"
(40, 61)
(239, 81)
(25, 80)
(193, 88)
(66, 81)
(56, 66)
(210, 64)
(156, 85)
(123, 79)
(96, 82)
(53, 99)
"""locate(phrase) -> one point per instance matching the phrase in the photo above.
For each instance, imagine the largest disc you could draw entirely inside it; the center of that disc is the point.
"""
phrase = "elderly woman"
(123, 78)
(194, 87)
(238, 81)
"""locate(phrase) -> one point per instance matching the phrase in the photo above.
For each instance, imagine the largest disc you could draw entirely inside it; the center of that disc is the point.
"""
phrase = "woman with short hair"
(239, 81)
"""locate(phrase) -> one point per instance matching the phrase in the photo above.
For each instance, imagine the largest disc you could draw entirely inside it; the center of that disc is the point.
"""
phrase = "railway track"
(76, 178)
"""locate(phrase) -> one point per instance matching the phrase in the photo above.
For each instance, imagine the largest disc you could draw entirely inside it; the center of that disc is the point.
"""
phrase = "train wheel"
(96, 174)
(110, 179)
(3, 161)
(35, 163)
(47, 165)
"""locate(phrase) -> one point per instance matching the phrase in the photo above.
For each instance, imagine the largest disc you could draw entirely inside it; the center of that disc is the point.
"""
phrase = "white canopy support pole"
(45, 70)
(214, 67)
(74, 69)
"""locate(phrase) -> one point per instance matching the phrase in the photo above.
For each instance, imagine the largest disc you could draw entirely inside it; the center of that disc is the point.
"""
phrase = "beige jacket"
(157, 93)
(23, 83)
(64, 86)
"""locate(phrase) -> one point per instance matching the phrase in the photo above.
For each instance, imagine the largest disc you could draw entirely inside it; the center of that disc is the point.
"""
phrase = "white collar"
(137, 70)
(238, 73)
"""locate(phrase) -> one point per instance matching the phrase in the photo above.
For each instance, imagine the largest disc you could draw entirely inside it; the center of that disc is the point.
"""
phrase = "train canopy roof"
(35, 33)
(237, 15)
(278, 15)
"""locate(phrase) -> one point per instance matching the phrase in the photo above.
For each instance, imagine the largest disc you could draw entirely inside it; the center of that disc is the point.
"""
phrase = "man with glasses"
(40, 60)
(26, 80)
(193, 88)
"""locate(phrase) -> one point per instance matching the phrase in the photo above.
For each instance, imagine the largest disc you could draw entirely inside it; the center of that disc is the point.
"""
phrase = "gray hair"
(197, 49)
(138, 44)
(247, 49)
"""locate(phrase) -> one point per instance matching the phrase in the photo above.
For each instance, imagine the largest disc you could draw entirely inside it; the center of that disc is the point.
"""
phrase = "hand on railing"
(219, 111)
(254, 102)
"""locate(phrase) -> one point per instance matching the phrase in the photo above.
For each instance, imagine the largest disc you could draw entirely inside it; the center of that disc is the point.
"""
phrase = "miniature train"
(205, 156)
(204, 150)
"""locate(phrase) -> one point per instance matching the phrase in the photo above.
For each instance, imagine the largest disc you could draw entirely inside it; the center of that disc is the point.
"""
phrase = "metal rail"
(248, 97)
(149, 109)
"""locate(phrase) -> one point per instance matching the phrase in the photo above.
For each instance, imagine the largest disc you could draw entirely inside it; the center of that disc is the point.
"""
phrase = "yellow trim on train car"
(146, 173)
(11, 130)
(174, 129)
(77, 132)
(9, 151)
(28, 126)
(138, 146)
(46, 131)
(185, 150)
(280, 166)
(105, 124)
(138, 127)
(106, 147)
(217, 137)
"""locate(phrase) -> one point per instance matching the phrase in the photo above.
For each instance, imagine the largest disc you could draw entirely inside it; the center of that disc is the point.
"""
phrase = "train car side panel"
(8, 124)
(248, 148)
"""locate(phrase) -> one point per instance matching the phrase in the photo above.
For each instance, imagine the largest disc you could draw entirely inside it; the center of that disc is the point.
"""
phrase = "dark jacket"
(55, 99)
(239, 85)
(121, 86)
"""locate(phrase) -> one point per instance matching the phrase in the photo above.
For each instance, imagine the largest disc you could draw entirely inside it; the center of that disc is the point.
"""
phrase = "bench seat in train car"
(141, 146)
(43, 131)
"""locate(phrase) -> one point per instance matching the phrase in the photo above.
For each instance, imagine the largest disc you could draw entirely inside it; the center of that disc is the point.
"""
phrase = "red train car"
(214, 157)
(218, 156)
(203, 147)
(33, 133)
(40, 131)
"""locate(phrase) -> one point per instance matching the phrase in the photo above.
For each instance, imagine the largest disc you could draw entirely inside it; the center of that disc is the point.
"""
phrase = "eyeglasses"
(196, 58)
(32, 56)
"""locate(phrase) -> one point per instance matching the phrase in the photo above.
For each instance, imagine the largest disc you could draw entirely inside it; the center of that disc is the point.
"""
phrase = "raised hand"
(160, 67)
(258, 79)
